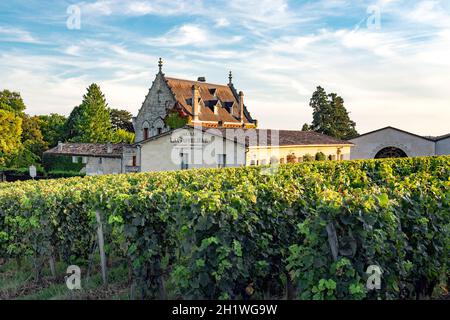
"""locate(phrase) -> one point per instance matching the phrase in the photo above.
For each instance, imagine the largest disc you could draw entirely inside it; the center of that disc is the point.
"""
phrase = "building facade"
(199, 147)
(97, 158)
(392, 142)
(171, 101)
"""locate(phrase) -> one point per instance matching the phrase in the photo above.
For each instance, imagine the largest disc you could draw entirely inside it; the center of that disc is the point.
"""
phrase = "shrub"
(308, 158)
(320, 156)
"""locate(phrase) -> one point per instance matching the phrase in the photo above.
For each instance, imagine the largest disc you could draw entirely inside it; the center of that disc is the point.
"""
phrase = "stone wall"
(154, 109)
(367, 146)
(443, 147)
(101, 165)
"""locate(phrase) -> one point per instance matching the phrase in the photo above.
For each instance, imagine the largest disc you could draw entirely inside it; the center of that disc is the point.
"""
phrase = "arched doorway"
(391, 152)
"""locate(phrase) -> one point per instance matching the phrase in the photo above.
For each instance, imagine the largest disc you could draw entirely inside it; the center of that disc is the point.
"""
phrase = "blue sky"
(389, 59)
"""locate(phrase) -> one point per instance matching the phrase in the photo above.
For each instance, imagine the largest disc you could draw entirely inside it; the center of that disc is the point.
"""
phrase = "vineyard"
(304, 231)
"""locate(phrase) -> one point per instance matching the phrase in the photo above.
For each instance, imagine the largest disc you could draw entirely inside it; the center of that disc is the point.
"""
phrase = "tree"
(11, 101)
(343, 127)
(10, 132)
(121, 135)
(90, 121)
(330, 116)
(121, 119)
(306, 127)
(32, 138)
(52, 127)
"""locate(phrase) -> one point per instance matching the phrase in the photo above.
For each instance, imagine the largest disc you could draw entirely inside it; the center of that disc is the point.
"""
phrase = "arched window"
(159, 94)
(145, 130)
(391, 152)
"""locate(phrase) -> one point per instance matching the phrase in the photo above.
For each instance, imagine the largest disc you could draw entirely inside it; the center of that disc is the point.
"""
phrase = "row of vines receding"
(307, 231)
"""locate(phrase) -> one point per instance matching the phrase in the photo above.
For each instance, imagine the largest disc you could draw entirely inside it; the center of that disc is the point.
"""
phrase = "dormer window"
(213, 91)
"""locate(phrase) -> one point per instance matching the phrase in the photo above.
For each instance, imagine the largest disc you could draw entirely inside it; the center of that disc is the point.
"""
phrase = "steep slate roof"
(224, 95)
(89, 149)
(286, 138)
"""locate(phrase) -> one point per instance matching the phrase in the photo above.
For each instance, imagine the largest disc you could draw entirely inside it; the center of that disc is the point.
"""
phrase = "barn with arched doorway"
(391, 142)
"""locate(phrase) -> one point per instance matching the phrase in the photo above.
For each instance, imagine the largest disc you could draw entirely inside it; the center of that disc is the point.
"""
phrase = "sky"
(388, 59)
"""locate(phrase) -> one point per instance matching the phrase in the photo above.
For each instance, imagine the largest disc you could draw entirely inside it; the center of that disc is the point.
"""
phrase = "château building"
(197, 103)
(185, 124)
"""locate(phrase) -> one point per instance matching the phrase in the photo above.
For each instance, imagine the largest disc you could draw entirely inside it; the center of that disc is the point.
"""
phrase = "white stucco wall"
(367, 146)
(443, 147)
(164, 153)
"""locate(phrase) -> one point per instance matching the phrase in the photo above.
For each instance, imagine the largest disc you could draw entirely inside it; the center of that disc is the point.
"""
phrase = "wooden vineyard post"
(52, 266)
(101, 245)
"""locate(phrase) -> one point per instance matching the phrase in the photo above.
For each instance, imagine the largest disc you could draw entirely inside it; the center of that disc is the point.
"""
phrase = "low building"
(95, 158)
(390, 142)
(200, 147)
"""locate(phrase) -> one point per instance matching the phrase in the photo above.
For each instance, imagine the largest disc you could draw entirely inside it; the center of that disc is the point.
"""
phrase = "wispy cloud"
(11, 34)
(191, 34)
(279, 52)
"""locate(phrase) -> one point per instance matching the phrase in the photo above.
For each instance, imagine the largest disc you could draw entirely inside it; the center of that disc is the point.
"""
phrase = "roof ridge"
(196, 81)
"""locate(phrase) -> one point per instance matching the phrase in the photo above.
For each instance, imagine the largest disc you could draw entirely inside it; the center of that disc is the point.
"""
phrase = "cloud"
(279, 52)
(222, 22)
(190, 34)
(141, 7)
(8, 34)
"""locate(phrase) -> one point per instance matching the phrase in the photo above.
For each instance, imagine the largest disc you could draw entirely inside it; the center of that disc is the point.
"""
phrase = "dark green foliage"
(61, 163)
(320, 156)
(52, 128)
(121, 119)
(90, 121)
(11, 101)
(207, 233)
(174, 120)
(308, 158)
(330, 117)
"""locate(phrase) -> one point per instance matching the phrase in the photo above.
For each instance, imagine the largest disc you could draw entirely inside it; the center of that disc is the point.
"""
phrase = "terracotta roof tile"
(182, 89)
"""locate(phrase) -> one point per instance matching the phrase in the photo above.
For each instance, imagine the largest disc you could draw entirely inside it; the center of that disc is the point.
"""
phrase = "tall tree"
(330, 116)
(32, 138)
(11, 101)
(52, 128)
(343, 127)
(10, 132)
(90, 121)
(121, 119)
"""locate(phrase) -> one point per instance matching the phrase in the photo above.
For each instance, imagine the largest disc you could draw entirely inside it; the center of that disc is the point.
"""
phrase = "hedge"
(307, 231)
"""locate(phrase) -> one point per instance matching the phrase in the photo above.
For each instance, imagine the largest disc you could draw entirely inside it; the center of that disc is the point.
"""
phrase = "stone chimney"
(60, 146)
(241, 106)
(109, 147)
(195, 103)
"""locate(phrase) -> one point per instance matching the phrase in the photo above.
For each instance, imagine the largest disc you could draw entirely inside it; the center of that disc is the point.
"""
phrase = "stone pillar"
(195, 103)
(241, 106)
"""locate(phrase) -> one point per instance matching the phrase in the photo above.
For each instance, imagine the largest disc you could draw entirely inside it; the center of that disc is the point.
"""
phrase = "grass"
(18, 283)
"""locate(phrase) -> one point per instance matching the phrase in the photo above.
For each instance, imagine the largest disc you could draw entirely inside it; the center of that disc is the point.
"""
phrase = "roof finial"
(230, 78)
(160, 64)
